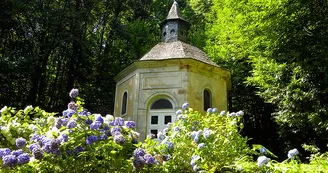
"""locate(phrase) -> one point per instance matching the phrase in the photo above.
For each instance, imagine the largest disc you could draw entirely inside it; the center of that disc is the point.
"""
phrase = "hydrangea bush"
(32, 140)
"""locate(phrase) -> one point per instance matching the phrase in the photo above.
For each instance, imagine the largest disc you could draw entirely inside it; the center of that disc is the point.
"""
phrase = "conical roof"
(175, 12)
(176, 50)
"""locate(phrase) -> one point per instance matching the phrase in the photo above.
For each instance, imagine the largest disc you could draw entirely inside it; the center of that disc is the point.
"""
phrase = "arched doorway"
(160, 113)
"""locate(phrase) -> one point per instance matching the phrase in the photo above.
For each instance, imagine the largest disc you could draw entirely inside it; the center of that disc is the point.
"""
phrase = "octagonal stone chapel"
(173, 72)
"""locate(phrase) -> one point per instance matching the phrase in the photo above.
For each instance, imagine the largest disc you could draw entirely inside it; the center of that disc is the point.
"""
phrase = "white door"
(160, 113)
(158, 120)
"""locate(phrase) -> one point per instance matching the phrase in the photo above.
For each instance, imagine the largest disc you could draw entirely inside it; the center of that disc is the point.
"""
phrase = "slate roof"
(174, 12)
(175, 50)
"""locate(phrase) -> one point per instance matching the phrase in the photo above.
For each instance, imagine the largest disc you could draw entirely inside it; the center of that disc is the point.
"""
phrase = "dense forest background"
(276, 51)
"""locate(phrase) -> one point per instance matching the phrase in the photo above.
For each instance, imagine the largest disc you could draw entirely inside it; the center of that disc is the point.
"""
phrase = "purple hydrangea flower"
(20, 142)
(209, 110)
(37, 153)
(130, 124)
(178, 112)
(4, 152)
(262, 160)
(193, 134)
(138, 162)
(139, 152)
(176, 129)
(119, 121)
(74, 93)
(195, 168)
(232, 114)
(17, 152)
(222, 113)
(115, 131)
(106, 127)
(196, 139)
(88, 121)
(9, 160)
(149, 159)
(165, 131)
(99, 118)
(23, 158)
(292, 153)
(34, 145)
(91, 139)
(73, 106)
(71, 124)
(185, 106)
(119, 139)
(68, 113)
(84, 113)
(95, 125)
(215, 110)
(201, 145)
(64, 121)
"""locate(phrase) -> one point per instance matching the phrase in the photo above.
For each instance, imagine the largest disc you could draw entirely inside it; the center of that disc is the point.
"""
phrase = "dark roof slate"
(175, 50)
(174, 12)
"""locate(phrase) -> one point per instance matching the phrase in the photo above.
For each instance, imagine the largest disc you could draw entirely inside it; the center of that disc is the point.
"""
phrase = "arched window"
(124, 103)
(162, 104)
(207, 99)
(172, 31)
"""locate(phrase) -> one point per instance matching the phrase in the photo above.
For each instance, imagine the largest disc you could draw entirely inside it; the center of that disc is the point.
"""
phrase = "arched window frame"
(169, 101)
(124, 107)
(207, 100)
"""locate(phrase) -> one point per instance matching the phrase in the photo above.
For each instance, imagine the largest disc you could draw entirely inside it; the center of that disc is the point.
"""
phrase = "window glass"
(154, 119)
(207, 99)
(161, 104)
(167, 119)
(124, 103)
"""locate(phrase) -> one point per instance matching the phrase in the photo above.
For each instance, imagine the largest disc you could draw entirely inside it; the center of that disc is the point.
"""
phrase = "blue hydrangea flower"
(196, 139)
(262, 160)
(119, 121)
(99, 118)
(95, 125)
(207, 133)
(91, 139)
(106, 128)
(115, 131)
(176, 129)
(185, 106)
(71, 124)
(68, 113)
(232, 114)
(160, 136)
(263, 150)
(170, 145)
(201, 145)
(193, 134)
(215, 110)
(222, 113)
(240, 113)
(292, 153)
(23, 158)
(64, 121)
(103, 137)
(88, 121)
(74, 93)
(194, 158)
(209, 110)
(84, 113)
(178, 112)
(34, 145)
(130, 124)
(9, 160)
(4, 152)
(63, 138)
(20, 142)
(149, 159)
(139, 152)
(78, 149)
(17, 152)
